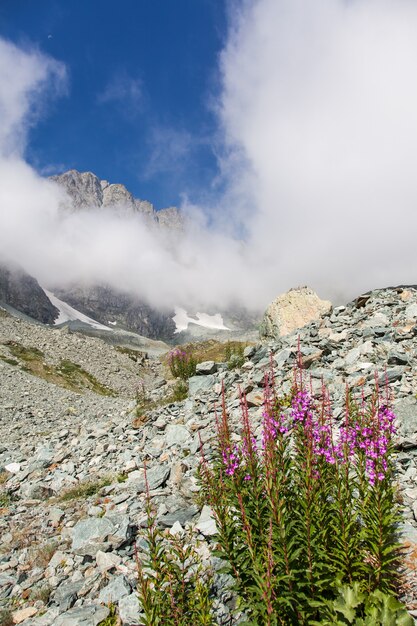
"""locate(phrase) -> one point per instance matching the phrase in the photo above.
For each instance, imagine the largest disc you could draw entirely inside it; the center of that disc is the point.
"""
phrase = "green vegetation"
(179, 392)
(306, 515)
(182, 364)
(173, 586)
(375, 609)
(5, 500)
(111, 619)
(135, 355)
(79, 378)
(66, 374)
(233, 354)
(8, 360)
(212, 350)
(85, 489)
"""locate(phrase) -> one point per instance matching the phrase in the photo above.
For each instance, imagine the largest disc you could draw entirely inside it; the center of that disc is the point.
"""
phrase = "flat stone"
(36, 491)
(206, 367)
(13, 468)
(101, 533)
(20, 616)
(83, 616)
(283, 356)
(67, 594)
(182, 516)
(156, 477)
(408, 533)
(249, 351)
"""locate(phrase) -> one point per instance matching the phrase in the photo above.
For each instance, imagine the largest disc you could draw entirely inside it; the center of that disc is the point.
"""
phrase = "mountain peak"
(87, 191)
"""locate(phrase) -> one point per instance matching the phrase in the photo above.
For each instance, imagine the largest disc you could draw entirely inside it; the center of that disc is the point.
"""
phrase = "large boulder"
(292, 310)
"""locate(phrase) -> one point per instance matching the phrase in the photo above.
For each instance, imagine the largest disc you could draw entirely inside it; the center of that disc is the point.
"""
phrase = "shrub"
(305, 508)
(173, 587)
(182, 364)
(179, 391)
(233, 354)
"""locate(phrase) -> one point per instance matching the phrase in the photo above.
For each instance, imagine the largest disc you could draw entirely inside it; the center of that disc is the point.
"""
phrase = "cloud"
(318, 115)
(25, 78)
(124, 91)
(320, 99)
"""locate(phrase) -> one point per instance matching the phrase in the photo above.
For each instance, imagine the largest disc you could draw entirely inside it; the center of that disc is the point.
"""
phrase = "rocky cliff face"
(122, 310)
(86, 190)
(22, 292)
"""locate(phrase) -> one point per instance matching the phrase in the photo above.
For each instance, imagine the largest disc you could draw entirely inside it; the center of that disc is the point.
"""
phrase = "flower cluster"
(181, 364)
(231, 459)
(366, 436)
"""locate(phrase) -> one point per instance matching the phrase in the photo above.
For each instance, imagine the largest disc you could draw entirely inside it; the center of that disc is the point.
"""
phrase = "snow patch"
(68, 314)
(182, 320)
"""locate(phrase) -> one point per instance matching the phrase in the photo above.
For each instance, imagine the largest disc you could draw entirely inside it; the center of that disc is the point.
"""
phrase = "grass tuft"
(85, 489)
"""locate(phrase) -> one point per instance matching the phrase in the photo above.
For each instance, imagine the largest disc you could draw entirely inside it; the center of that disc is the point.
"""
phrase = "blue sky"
(142, 78)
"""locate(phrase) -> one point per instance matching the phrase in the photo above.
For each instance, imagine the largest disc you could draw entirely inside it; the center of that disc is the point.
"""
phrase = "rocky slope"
(65, 557)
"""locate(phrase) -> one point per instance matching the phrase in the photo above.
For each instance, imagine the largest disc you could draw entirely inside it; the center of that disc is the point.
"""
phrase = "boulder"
(292, 310)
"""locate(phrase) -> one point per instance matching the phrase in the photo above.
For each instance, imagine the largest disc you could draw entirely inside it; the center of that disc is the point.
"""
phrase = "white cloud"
(321, 98)
(319, 117)
(24, 79)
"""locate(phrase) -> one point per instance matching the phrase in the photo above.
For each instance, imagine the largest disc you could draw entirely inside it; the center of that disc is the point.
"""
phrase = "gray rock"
(118, 588)
(249, 351)
(206, 523)
(181, 515)
(107, 561)
(283, 356)
(129, 610)
(206, 367)
(36, 491)
(66, 595)
(156, 477)
(93, 534)
(406, 412)
(408, 533)
(176, 435)
(83, 616)
(199, 384)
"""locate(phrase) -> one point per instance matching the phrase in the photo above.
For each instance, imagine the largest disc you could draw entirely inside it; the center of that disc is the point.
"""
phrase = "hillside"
(72, 459)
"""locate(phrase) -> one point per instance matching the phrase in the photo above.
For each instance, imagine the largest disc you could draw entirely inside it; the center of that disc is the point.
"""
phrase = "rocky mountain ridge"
(63, 560)
(87, 191)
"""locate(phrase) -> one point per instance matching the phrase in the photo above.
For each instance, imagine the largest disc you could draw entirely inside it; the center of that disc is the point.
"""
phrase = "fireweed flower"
(370, 438)
(231, 459)
(302, 408)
